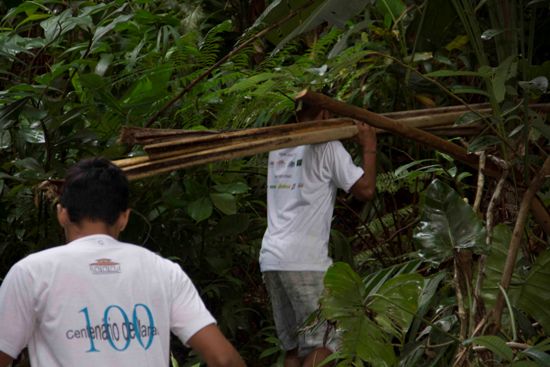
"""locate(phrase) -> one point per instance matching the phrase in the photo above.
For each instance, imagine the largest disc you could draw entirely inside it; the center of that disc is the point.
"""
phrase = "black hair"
(95, 189)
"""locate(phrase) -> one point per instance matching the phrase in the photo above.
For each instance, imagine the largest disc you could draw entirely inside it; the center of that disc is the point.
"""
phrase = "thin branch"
(515, 242)
(480, 181)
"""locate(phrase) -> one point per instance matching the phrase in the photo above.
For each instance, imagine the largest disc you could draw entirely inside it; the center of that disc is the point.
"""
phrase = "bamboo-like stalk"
(190, 145)
(132, 135)
(397, 127)
(128, 162)
(481, 107)
(157, 166)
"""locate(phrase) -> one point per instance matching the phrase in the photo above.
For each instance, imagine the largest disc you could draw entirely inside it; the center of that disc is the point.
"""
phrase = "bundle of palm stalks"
(172, 149)
(168, 154)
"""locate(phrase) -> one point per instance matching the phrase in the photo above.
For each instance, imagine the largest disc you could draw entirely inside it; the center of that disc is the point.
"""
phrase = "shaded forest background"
(425, 275)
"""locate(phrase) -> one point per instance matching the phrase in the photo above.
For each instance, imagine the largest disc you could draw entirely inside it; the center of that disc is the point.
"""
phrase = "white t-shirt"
(97, 302)
(301, 191)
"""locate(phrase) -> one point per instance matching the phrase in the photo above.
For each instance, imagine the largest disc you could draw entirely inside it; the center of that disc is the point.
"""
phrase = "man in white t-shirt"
(302, 184)
(99, 302)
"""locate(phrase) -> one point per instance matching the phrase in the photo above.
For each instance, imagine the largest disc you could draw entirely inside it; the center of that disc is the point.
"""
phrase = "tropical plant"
(73, 74)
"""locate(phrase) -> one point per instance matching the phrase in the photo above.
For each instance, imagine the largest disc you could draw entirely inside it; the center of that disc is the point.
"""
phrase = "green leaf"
(495, 344)
(542, 359)
(461, 89)
(103, 64)
(494, 264)
(491, 33)
(345, 292)
(342, 301)
(505, 71)
(542, 127)
(396, 302)
(525, 364)
(534, 296)
(481, 143)
(392, 10)
(447, 223)
(468, 118)
(100, 32)
(58, 25)
(10, 112)
(447, 73)
(225, 202)
(320, 11)
(200, 209)
(232, 188)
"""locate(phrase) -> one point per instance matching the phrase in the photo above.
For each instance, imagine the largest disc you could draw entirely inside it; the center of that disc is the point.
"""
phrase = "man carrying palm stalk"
(302, 185)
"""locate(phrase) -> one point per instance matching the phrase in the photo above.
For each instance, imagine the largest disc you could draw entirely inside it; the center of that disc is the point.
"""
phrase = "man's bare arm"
(365, 187)
(5, 359)
(214, 348)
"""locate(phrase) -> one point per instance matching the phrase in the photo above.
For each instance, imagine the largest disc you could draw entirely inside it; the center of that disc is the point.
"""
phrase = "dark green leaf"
(468, 118)
(542, 127)
(447, 73)
(226, 203)
(320, 11)
(542, 359)
(491, 33)
(10, 112)
(495, 344)
(396, 302)
(200, 209)
(535, 293)
(447, 223)
(232, 188)
(481, 143)
(495, 263)
(342, 301)
(505, 71)
(100, 32)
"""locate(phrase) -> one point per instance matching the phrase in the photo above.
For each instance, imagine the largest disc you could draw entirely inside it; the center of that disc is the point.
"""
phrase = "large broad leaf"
(447, 223)
(535, 293)
(369, 320)
(60, 24)
(495, 263)
(343, 302)
(396, 303)
(320, 11)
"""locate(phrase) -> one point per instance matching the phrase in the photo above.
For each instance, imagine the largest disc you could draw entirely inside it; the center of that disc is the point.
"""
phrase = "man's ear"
(62, 215)
(122, 220)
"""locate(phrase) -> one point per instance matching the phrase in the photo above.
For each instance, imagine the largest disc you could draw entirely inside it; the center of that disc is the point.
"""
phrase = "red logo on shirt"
(104, 266)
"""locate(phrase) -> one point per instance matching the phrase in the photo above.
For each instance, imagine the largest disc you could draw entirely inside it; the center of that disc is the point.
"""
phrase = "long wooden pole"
(396, 127)
(540, 213)
(232, 151)
(197, 144)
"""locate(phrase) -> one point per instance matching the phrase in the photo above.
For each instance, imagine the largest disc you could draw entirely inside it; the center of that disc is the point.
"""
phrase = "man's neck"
(88, 228)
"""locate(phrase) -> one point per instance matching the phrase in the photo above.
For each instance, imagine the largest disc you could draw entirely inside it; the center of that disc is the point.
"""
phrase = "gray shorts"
(294, 297)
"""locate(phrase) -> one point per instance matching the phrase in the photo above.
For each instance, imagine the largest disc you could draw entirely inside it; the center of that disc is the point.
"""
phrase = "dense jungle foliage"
(420, 278)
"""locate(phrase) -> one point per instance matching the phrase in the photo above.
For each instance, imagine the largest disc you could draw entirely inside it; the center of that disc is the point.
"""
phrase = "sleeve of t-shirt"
(17, 316)
(344, 172)
(188, 314)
